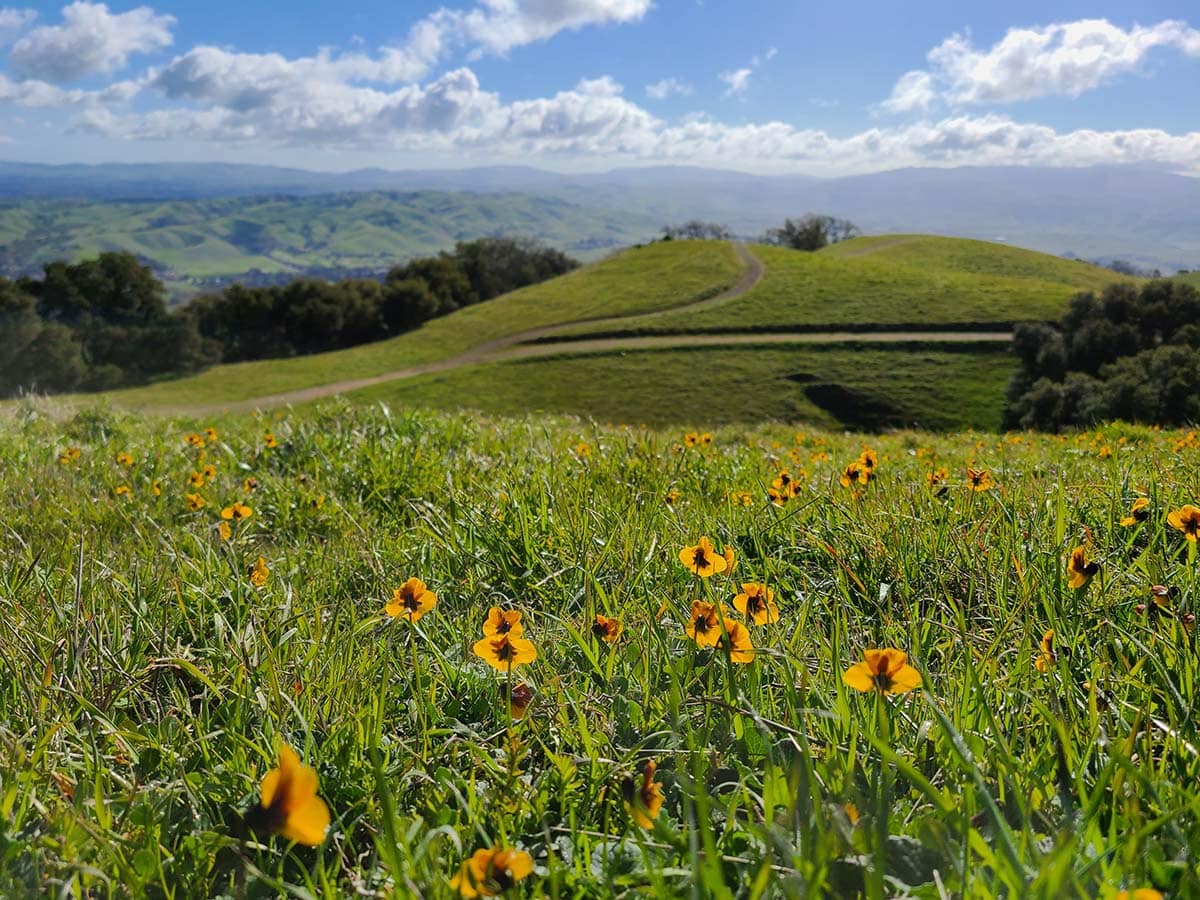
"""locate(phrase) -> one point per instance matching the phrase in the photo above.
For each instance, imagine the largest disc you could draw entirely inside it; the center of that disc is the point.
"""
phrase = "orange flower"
(606, 629)
(1139, 894)
(196, 479)
(704, 624)
(703, 559)
(122, 490)
(757, 603)
(211, 434)
(1139, 512)
(886, 671)
(491, 872)
(643, 803)
(1046, 654)
(156, 488)
(237, 512)
(224, 532)
(736, 641)
(249, 485)
(269, 440)
(194, 440)
(505, 652)
(979, 480)
(68, 456)
(867, 461)
(521, 697)
(853, 474)
(1079, 570)
(124, 459)
(195, 502)
(411, 600)
(259, 572)
(1187, 520)
(500, 622)
(290, 805)
(209, 472)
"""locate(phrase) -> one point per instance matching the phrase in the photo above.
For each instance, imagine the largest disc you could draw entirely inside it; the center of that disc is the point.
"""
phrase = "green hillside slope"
(654, 277)
(193, 244)
(894, 282)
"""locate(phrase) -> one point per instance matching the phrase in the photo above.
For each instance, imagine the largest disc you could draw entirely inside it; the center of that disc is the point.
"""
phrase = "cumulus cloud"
(1064, 59)
(13, 22)
(40, 94)
(90, 41)
(668, 87)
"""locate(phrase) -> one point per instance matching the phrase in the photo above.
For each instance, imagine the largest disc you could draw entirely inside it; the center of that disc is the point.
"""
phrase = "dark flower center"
(505, 651)
(702, 623)
(700, 558)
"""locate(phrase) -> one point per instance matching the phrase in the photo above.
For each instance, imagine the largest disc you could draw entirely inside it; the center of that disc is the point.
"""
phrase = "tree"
(697, 230)
(812, 232)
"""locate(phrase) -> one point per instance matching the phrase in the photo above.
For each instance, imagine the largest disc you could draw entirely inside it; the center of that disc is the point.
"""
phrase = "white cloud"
(736, 81)
(13, 22)
(668, 87)
(1065, 59)
(90, 41)
(40, 94)
(914, 91)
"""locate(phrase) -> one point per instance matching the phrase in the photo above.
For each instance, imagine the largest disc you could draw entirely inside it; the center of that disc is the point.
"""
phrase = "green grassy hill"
(1192, 278)
(894, 283)
(194, 244)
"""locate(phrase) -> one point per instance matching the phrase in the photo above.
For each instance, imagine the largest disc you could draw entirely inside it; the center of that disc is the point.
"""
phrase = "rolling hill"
(194, 245)
(801, 343)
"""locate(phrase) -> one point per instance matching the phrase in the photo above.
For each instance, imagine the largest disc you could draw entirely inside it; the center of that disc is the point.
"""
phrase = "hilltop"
(876, 332)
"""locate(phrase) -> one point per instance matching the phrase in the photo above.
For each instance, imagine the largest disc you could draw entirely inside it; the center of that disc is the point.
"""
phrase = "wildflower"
(782, 489)
(691, 439)
(1139, 512)
(316, 502)
(672, 497)
(195, 502)
(1046, 654)
(211, 434)
(1139, 894)
(194, 440)
(979, 480)
(757, 603)
(269, 440)
(702, 559)
(704, 624)
(853, 474)
(644, 803)
(500, 622)
(209, 472)
(259, 572)
(867, 461)
(196, 479)
(249, 485)
(937, 477)
(122, 490)
(886, 671)
(237, 511)
(124, 459)
(505, 652)
(490, 872)
(224, 532)
(736, 642)
(851, 811)
(290, 806)
(705, 439)
(411, 600)
(582, 450)
(156, 488)
(68, 456)
(1187, 520)
(1105, 452)
(730, 560)
(1079, 570)
(606, 629)
(741, 498)
(518, 700)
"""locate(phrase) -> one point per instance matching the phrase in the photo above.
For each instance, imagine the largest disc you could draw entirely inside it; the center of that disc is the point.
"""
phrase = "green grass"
(657, 276)
(903, 282)
(926, 387)
(1192, 278)
(146, 684)
(200, 242)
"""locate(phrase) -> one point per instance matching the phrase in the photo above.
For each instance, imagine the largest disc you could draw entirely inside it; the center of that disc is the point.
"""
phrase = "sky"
(765, 86)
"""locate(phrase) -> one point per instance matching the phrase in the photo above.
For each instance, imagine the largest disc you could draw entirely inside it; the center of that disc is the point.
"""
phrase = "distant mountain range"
(1145, 216)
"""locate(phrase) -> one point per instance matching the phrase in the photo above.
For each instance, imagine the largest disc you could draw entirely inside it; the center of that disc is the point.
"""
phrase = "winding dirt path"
(522, 345)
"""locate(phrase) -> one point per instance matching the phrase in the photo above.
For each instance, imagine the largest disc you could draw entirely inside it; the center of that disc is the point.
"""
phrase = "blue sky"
(768, 86)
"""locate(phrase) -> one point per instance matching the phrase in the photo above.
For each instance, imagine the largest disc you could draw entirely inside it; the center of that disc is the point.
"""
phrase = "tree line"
(104, 323)
(810, 232)
(1132, 353)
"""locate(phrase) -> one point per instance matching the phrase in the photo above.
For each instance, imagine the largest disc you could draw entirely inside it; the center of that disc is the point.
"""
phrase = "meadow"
(193, 611)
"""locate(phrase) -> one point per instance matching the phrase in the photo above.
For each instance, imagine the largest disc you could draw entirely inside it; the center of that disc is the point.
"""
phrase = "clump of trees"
(1132, 353)
(811, 232)
(103, 323)
(697, 230)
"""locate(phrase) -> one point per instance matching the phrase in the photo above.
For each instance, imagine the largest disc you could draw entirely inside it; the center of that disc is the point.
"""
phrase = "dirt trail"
(521, 346)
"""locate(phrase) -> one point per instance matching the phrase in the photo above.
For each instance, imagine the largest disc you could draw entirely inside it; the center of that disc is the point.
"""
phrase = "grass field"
(152, 668)
(1192, 278)
(899, 386)
(894, 282)
(657, 276)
